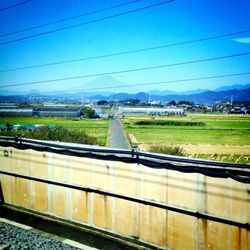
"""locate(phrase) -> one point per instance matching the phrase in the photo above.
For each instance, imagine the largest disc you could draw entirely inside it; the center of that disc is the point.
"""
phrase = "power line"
(151, 83)
(171, 81)
(126, 52)
(127, 71)
(15, 5)
(85, 23)
(69, 18)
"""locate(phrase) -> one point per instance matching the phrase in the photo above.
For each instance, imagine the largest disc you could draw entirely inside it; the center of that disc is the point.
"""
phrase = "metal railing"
(236, 171)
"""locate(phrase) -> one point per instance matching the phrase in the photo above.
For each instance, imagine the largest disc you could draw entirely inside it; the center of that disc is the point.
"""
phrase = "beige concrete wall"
(221, 197)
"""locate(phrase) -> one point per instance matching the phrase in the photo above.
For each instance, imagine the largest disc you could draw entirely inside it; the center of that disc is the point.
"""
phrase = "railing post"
(1, 195)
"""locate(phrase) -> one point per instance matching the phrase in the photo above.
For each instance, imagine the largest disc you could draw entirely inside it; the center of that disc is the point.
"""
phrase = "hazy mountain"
(210, 97)
(120, 96)
(8, 92)
(235, 86)
(102, 93)
(192, 92)
(197, 91)
(109, 82)
(33, 91)
(239, 93)
(102, 82)
(207, 97)
(161, 92)
(169, 92)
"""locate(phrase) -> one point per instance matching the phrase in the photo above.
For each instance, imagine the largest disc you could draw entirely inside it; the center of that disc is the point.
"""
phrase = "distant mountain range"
(207, 97)
(225, 93)
(198, 91)
(235, 86)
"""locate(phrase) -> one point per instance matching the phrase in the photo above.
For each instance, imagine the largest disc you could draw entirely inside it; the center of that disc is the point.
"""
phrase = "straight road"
(117, 137)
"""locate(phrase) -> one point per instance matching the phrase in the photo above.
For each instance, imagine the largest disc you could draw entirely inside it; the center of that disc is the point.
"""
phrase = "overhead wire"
(170, 81)
(135, 51)
(14, 5)
(125, 52)
(126, 71)
(150, 83)
(226, 173)
(69, 18)
(86, 23)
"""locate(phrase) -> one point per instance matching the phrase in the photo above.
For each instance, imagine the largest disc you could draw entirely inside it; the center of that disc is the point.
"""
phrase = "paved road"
(117, 137)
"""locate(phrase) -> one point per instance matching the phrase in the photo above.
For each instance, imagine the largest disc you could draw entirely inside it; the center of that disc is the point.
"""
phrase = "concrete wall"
(166, 229)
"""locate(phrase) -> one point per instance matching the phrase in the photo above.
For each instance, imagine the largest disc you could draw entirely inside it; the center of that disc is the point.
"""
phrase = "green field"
(225, 137)
(94, 127)
(215, 137)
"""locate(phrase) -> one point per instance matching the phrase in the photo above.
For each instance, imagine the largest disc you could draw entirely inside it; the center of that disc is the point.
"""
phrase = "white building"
(151, 111)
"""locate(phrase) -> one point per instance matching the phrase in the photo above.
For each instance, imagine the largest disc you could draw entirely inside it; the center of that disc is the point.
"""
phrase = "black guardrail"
(238, 172)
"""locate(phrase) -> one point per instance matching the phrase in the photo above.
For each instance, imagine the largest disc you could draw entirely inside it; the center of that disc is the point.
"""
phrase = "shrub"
(55, 134)
(90, 113)
(170, 150)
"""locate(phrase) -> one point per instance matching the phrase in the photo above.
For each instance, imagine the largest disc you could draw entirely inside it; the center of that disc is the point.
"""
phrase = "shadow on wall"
(144, 177)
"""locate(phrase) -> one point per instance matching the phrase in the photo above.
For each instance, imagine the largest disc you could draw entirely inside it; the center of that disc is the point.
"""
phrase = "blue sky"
(178, 21)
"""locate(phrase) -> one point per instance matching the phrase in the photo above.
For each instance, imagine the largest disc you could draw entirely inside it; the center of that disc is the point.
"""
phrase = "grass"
(60, 121)
(163, 149)
(191, 136)
(238, 158)
(219, 130)
(215, 137)
(97, 128)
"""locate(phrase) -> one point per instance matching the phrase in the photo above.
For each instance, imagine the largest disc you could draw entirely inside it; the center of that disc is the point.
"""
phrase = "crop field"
(94, 127)
(217, 137)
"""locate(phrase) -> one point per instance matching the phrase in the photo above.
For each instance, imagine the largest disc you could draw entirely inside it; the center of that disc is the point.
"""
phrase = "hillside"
(207, 97)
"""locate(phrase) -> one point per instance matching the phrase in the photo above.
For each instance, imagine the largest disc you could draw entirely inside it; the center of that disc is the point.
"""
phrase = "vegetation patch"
(169, 123)
(55, 134)
(96, 128)
(238, 158)
(170, 150)
(60, 121)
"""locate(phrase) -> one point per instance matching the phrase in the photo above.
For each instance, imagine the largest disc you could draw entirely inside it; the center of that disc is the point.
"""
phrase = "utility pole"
(82, 97)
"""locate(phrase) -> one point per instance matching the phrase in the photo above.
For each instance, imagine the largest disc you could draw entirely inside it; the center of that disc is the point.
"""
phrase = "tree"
(102, 102)
(173, 103)
(185, 103)
(89, 112)
(132, 102)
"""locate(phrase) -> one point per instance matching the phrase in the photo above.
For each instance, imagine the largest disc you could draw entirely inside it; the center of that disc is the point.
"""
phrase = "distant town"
(233, 99)
(77, 107)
